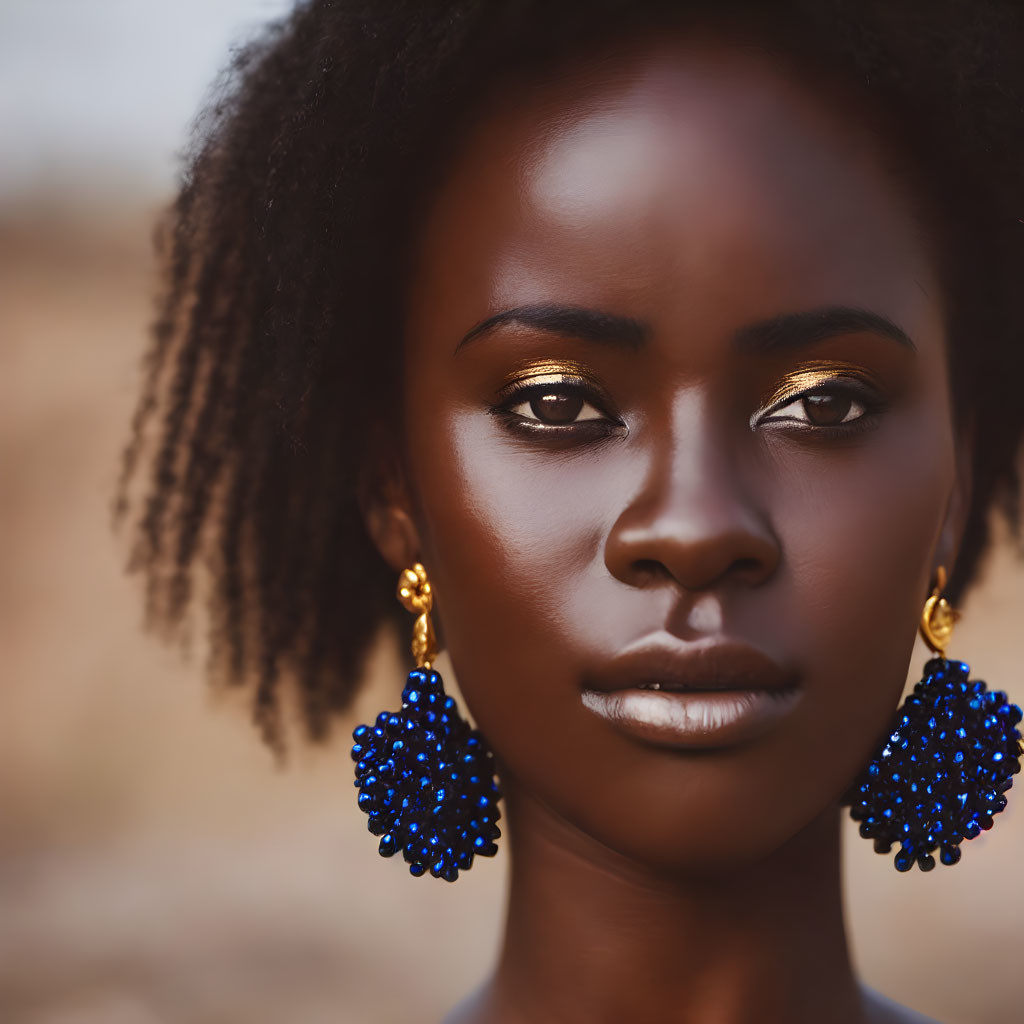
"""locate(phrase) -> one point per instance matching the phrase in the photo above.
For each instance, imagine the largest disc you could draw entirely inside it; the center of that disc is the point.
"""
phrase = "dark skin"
(670, 484)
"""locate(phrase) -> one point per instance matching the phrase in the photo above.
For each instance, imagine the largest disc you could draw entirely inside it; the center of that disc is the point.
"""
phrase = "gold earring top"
(938, 617)
(415, 594)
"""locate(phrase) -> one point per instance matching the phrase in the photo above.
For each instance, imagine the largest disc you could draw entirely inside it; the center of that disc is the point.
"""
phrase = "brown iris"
(556, 407)
(824, 410)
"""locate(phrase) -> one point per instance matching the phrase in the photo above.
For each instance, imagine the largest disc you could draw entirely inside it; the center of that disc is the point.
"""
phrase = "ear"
(384, 501)
(951, 536)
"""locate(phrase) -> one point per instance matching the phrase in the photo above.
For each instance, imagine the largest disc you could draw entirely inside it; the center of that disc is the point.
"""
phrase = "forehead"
(670, 170)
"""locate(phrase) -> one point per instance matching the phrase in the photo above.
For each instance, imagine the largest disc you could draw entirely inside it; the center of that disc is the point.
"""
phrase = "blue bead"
(904, 860)
(405, 782)
(939, 780)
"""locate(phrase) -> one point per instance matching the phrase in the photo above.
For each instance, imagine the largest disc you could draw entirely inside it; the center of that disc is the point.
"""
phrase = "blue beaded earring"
(425, 778)
(942, 774)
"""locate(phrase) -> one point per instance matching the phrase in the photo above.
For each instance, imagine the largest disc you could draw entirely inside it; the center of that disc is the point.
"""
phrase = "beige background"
(155, 866)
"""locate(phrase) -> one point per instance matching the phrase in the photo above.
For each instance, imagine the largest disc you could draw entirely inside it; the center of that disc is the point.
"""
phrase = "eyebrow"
(778, 333)
(795, 330)
(570, 321)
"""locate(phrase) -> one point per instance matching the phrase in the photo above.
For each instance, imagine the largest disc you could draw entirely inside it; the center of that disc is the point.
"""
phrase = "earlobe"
(386, 509)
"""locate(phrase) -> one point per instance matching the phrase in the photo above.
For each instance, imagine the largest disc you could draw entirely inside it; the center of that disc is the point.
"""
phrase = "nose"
(692, 520)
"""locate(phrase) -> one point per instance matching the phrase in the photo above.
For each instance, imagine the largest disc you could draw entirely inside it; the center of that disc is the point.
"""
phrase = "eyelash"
(520, 393)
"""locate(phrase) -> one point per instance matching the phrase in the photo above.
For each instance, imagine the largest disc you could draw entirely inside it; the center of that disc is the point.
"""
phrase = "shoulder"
(881, 1009)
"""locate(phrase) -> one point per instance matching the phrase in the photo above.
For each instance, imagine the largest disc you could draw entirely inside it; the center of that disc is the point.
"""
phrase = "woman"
(678, 342)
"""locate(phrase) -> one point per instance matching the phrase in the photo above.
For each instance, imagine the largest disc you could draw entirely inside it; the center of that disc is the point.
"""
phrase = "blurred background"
(155, 865)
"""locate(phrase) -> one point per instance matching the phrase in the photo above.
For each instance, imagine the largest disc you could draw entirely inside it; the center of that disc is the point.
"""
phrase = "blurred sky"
(96, 95)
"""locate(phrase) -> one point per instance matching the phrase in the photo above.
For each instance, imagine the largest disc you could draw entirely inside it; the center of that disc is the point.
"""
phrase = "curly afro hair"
(278, 332)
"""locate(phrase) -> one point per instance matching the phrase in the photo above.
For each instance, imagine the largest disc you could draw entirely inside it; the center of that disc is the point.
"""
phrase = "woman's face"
(662, 253)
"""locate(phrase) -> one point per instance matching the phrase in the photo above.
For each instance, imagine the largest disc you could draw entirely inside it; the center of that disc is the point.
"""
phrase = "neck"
(591, 936)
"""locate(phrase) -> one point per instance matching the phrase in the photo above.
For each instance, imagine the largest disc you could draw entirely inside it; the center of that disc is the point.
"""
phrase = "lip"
(692, 696)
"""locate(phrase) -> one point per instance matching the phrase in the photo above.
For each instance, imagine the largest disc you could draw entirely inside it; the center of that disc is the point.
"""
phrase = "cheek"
(859, 539)
(859, 535)
(514, 537)
(510, 531)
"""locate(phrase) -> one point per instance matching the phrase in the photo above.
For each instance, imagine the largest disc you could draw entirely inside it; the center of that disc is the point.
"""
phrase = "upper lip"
(706, 666)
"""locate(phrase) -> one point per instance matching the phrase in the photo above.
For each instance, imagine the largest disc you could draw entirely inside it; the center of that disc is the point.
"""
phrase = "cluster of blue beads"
(942, 773)
(426, 780)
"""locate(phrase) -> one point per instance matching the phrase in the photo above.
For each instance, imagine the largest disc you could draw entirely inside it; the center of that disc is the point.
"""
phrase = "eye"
(823, 407)
(559, 402)
(553, 405)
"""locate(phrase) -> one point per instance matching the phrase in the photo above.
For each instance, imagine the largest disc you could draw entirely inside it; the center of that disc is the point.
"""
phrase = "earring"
(425, 778)
(951, 757)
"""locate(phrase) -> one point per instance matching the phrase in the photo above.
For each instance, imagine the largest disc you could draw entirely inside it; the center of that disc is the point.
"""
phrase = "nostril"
(748, 566)
(644, 572)
(650, 569)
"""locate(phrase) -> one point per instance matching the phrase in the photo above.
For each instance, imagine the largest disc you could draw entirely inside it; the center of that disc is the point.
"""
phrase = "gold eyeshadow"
(806, 376)
(814, 374)
(549, 371)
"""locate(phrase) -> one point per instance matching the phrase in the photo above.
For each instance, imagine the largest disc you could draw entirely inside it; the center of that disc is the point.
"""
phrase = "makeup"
(820, 375)
(573, 395)
(545, 371)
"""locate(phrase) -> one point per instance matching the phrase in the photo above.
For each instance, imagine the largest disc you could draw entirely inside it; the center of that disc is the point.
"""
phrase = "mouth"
(692, 696)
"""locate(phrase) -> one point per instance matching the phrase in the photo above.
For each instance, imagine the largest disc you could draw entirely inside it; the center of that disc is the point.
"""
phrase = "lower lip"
(693, 718)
